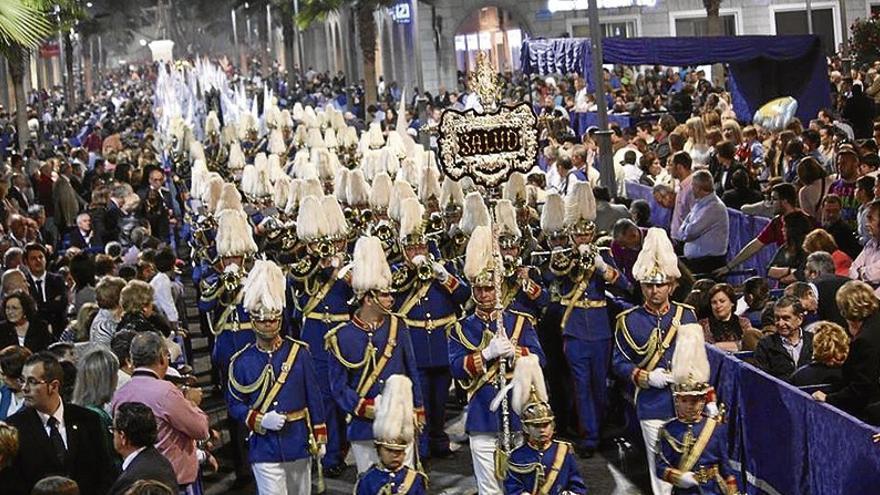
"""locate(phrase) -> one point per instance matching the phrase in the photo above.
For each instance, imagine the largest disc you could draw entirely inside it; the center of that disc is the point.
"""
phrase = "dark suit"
(827, 286)
(37, 339)
(112, 222)
(19, 197)
(53, 308)
(772, 357)
(149, 464)
(87, 461)
(76, 239)
(723, 182)
(861, 371)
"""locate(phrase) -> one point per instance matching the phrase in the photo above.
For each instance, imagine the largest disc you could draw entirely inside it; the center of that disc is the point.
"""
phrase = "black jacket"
(54, 308)
(816, 373)
(149, 464)
(87, 462)
(772, 357)
(37, 339)
(112, 222)
(827, 286)
(94, 244)
(861, 371)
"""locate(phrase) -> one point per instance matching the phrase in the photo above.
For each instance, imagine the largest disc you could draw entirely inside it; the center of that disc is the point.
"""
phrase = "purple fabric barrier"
(582, 120)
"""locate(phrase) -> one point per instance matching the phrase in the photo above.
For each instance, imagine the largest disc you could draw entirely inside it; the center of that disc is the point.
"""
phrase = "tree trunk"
(87, 69)
(367, 40)
(68, 84)
(715, 28)
(18, 62)
(290, 47)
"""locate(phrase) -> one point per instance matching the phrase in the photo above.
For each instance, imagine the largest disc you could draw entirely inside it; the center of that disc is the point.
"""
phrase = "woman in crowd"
(78, 330)
(95, 384)
(105, 323)
(814, 182)
(787, 264)
(22, 325)
(136, 300)
(723, 327)
(8, 444)
(821, 240)
(82, 269)
(12, 360)
(652, 170)
(830, 350)
(696, 144)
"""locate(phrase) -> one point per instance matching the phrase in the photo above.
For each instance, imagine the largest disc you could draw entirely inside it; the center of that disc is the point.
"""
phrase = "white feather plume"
(478, 254)
(657, 251)
(505, 218)
(234, 234)
(370, 270)
(412, 215)
(553, 214)
(264, 288)
(690, 364)
(380, 192)
(394, 418)
(580, 204)
(475, 213)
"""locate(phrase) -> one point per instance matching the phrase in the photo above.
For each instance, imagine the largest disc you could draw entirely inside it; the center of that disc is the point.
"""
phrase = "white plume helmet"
(230, 199)
(515, 188)
(211, 193)
(315, 139)
(212, 123)
(247, 122)
(228, 135)
(402, 190)
(580, 204)
(274, 166)
(395, 144)
(311, 187)
(390, 162)
(358, 191)
(478, 254)
(375, 139)
(294, 193)
(286, 121)
(321, 159)
(301, 135)
(656, 262)
(297, 113)
(475, 213)
(505, 218)
(276, 142)
(527, 374)
(196, 151)
(553, 214)
(412, 215)
(349, 137)
(690, 364)
(330, 140)
(340, 185)
(281, 192)
(380, 192)
(371, 163)
(199, 177)
(309, 219)
(370, 270)
(310, 117)
(467, 185)
(410, 171)
(394, 425)
(303, 168)
(451, 193)
(429, 187)
(236, 159)
(248, 179)
(264, 289)
(336, 224)
(234, 235)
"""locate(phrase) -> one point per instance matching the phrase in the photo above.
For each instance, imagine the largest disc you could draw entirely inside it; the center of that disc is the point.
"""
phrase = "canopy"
(761, 67)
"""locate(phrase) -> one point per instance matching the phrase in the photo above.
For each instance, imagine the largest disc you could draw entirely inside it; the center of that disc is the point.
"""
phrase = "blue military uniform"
(675, 455)
(430, 308)
(469, 337)
(322, 303)
(253, 373)
(360, 360)
(404, 481)
(531, 299)
(639, 334)
(551, 471)
(229, 321)
(587, 337)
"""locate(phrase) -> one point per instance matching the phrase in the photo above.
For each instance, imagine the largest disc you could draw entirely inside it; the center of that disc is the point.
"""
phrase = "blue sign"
(401, 13)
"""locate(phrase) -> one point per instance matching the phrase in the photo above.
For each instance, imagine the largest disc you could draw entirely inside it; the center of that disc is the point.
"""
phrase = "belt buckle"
(429, 324)
(326, 318)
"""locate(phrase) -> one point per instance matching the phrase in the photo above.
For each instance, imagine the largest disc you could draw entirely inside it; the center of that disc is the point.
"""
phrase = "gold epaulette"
(625, 312)
(684, 305)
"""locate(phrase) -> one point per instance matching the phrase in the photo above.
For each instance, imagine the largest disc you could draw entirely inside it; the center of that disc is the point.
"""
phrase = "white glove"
(687, 480)
(583, 248)
(376, 400)
(273, 421)
(418, 259)
(659, 378)
(711, 409)
(498, 347)
(440, 272)
(322, 451)
(231, 268)
(599, 263)
(334, 262)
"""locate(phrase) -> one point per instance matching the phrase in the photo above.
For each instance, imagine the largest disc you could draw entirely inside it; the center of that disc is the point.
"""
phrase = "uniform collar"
(665, 309)
(363, 325)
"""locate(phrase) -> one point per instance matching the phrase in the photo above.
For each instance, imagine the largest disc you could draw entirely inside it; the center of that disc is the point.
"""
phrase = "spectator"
(67, 201)
(163, 286)
(120, 345)
(134, 434)
(788, 261)
(72, 434)
(684, 200)
(8, 444)
(12, 360)
(107, 295)
(47, 232)
(606, 214)
(808, 298)
(815, 184)
(859, 111)
(756, 295)
(705, 229)
(696, 146)
(47, 288)
(652, 170)
(860, 386)
(830, 350)
(95, 384)
(866, 266)
(114, 213)
(789, 348)
(864, 195)
(640, 212)
(845, 185)
(844, 235)
(149, 487)
(84, 236)
(723, 327)
(56, 485)
(181, 422)
(136, 299)
(725, 153)
(819, 271)
(78, 330)
(14, 280)
(821, 240)
(13, 257)
(740, 194)
(82, 269)
(631, 171)
(626, 244)
(22, 325)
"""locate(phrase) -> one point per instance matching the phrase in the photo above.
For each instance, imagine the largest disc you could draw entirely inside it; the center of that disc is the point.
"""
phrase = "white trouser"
(483, 459)
(365, 455)
(650, 432)
(280, 478)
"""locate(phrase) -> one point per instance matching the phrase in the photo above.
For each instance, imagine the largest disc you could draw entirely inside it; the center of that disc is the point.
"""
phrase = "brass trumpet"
(384, 232)
(425, 269)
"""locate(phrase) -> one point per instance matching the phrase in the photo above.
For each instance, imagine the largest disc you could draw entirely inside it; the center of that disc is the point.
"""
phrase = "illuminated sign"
(400, 13)
(568, 5)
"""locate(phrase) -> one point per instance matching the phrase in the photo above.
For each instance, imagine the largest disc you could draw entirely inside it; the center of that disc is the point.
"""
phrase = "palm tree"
(315, 10)
(23, 25)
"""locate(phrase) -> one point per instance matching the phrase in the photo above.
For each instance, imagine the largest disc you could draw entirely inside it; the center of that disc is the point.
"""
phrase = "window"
(795, 22)
(610, 29)
(875, 9)
(699, 26)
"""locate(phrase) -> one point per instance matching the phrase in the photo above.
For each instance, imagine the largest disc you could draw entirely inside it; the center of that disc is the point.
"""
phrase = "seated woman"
(787, 264)
(722, 327)
(22, 325)
(821, 240)
(830, 350)
(756, 294)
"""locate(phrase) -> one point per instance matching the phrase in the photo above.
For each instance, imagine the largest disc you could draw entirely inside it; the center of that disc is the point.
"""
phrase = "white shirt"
(164, 297)
(59, 415)
(122, 378)
(581, 104)
(130, 457)
(15, 404)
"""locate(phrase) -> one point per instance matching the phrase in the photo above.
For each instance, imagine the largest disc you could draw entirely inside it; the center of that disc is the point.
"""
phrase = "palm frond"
(312, 11)
(22, 23)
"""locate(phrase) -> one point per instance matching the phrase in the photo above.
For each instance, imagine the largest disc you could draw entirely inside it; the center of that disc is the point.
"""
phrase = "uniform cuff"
(320, 433)
(420, 415)
(253, 420)
(365, 409)
(522, 351)
(640, 378)
(474, 364)
(672, 475)
(532, 290)
(451, 283)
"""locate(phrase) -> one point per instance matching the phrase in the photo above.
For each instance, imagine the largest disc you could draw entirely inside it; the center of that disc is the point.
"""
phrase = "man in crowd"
(783, 351)
(134, 434)
(706, 228)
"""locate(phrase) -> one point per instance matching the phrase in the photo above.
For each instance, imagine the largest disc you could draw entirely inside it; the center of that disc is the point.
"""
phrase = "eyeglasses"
(31, 382)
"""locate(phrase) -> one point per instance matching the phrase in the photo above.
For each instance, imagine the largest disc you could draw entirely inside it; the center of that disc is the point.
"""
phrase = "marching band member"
(394, 431)
(476, 350)
(369, 349)
(519, 290)
(429, 299)
(453, 241)
(273, 390)
(542, 465)
(691, 452)
(645, 341)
